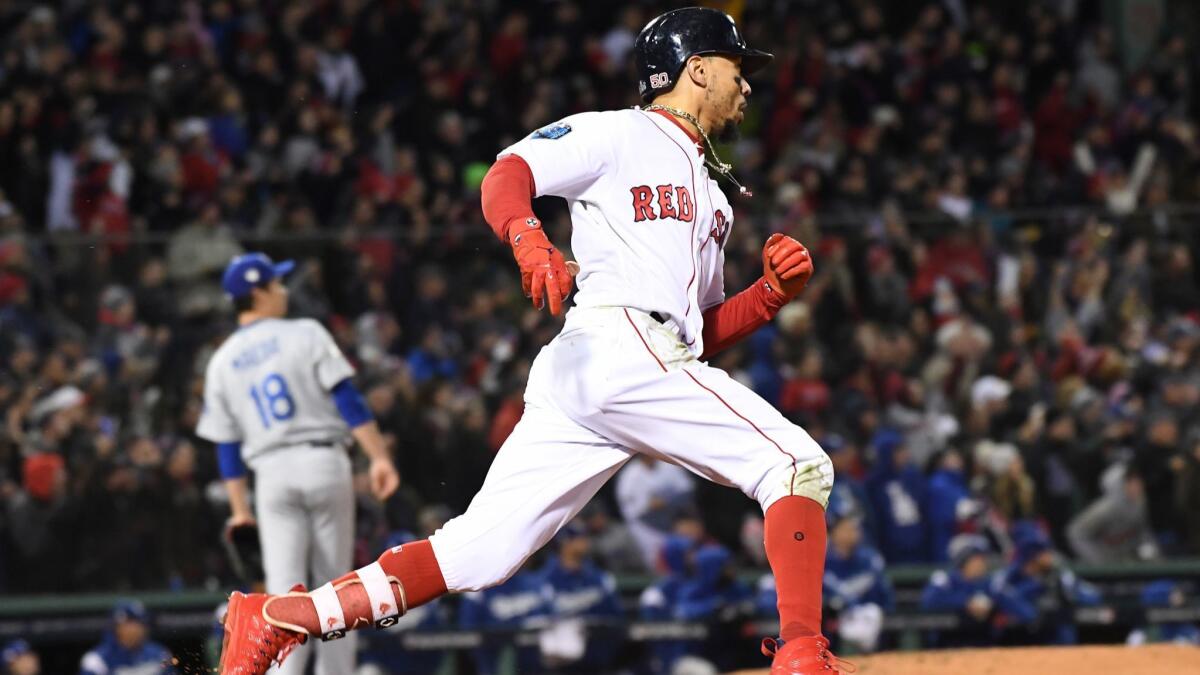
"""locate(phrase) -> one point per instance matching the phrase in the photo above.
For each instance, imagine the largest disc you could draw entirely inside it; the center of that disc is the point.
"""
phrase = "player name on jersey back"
(256, 354)
(268, 387)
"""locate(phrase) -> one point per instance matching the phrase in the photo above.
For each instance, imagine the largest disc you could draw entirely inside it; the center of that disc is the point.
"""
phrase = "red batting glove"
(544, 274)
(787, 265)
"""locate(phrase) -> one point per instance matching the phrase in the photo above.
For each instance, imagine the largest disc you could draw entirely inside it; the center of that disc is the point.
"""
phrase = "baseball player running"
(627, 374)
(278, 396)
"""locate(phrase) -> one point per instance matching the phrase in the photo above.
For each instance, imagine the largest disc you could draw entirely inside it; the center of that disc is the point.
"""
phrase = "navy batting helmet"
(667, 42)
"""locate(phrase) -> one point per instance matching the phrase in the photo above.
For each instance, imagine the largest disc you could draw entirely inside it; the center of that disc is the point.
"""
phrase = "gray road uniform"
(268, 388)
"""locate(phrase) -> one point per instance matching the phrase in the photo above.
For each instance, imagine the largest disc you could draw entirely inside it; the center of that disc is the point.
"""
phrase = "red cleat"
(804, 656)
(253, 643)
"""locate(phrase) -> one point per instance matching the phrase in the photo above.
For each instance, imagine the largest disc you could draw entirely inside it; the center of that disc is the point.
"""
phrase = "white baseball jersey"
(268, 386)
(649, 224)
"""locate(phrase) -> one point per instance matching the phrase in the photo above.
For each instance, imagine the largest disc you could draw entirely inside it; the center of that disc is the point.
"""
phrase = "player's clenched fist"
(787, 265)
(544, 274)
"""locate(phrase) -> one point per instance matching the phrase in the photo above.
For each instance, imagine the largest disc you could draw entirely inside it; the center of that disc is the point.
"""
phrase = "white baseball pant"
(613, 383)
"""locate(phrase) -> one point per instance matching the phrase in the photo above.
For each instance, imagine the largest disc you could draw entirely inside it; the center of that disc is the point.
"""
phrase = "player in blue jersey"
(127, 648)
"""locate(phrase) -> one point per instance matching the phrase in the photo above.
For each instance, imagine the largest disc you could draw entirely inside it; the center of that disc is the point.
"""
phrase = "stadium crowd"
(1002, 338)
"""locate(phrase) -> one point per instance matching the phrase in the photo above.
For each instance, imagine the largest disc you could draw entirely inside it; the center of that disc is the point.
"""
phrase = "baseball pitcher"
(628, 372)
(278, 396)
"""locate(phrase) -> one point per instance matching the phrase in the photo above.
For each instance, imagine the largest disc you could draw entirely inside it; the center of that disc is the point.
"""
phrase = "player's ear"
(697, 69)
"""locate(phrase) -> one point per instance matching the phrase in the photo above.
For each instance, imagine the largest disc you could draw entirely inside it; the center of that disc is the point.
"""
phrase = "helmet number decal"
(659, 80)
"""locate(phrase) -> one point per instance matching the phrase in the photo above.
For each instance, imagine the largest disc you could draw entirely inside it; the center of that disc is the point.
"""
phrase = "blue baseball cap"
(572, 530)
(1030, 543)
(14, 650)
(252, 270)
(130, 610)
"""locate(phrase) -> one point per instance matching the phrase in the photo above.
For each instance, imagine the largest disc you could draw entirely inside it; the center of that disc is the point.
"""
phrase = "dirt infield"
(1117, 660)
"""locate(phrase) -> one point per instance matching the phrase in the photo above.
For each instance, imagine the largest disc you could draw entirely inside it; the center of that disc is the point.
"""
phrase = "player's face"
(727, 96)
(25, 664)
(847, 534)
(975, 567)
(131, 633)
(275, 299)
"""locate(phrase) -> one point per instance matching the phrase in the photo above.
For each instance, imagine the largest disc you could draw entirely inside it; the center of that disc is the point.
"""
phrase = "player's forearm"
(239, 498)
(371, 441)
(507, 194)
(731, 321)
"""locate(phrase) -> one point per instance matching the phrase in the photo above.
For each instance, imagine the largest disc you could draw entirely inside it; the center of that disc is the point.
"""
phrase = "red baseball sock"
(795, 537)
(414, 565)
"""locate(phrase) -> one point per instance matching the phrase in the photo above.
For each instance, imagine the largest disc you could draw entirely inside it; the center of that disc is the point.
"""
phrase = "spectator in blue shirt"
(849, 495)
(948, 503)
(127, 647)
(658, 601)
(856, 586)
(1041, 595)
(896, 488)
(578, 590)
(521, 602)
(714, 595)
(18, 658)
(965, 588)
(1165, 594)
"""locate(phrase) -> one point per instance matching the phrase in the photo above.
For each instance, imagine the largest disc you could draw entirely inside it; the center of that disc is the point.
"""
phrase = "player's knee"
(478, 563)
(806, 473)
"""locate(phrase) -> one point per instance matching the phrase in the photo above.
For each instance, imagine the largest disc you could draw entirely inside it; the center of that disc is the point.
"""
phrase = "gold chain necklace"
(711, 158)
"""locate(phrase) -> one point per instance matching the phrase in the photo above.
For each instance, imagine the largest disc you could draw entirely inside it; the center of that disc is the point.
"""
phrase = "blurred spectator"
(1116, 526)
(897, 489)
(1050, 461)
(849, 495)
(521, 602)
(613, 545)
(658, 600)
(950, 504)
(856, 586)
(196, 256)
(40, 515)
(580, 593)
(965, 588)
(1005, 483)
(651, 493)
(1187, 495)
(20, 659)
(1159, 462)
(714, 595)
(128, 646)
(1041, 595)
(1165, 594)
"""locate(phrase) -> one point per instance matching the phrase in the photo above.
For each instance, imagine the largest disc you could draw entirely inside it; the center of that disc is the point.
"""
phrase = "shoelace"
(833, 662)
(276, 636)
(837, 664)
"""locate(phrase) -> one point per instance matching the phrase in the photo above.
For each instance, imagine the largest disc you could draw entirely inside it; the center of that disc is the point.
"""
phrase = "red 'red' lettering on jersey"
(683, 197)
(665, 208)
(642, 209)
(673, 202)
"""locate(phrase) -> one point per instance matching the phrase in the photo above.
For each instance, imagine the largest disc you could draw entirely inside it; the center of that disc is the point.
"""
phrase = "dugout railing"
(192, 614)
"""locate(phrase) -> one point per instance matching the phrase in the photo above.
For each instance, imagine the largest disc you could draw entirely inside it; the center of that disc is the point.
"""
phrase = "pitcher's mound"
(1088, 660)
